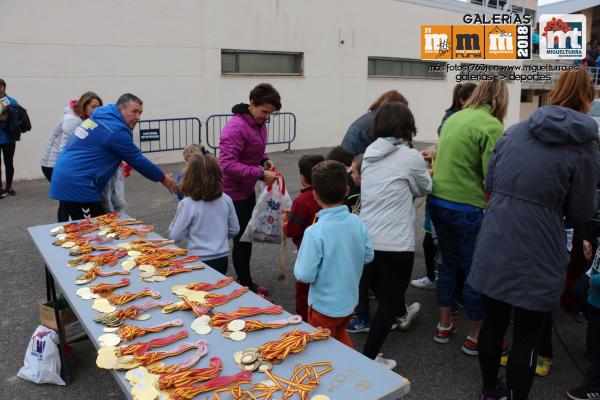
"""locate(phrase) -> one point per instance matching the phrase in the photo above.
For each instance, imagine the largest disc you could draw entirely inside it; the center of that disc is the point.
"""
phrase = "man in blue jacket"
(93, 154)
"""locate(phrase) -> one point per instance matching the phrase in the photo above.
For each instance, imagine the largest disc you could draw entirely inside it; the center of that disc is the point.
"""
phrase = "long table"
(354, 376)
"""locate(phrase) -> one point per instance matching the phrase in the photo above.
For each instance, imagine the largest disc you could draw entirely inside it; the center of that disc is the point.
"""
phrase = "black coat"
(542, 171)
(18, 122)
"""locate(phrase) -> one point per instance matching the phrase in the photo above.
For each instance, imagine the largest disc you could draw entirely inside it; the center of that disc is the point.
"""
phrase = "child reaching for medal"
(205, 217)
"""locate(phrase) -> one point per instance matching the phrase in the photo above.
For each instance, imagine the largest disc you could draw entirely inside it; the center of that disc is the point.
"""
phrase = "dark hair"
(462, 91)
(330, 181)
(202, 178)
(358, 161)
(127, 98)
(306, 164)
(83, 101)
(394, 120)
(388, 97)
(265, 93)
(2, 83)
(338, 153)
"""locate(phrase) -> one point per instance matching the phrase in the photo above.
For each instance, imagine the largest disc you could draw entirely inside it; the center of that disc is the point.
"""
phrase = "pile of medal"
(250, 360)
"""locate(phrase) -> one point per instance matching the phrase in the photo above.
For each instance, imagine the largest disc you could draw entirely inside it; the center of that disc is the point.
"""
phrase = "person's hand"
(170, 184)
(284, 212)
(268, 165)
(587, 250)
(269, 177)
(427, 156)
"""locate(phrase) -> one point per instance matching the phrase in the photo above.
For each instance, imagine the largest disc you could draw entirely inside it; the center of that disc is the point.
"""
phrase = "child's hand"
(587, 250)
(284, 215)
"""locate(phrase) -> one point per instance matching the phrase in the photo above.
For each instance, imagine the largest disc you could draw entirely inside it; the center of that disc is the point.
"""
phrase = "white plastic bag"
(266, 224)
(42, 359)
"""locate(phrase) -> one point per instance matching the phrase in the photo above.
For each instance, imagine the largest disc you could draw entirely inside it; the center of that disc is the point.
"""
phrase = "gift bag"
(42, 359)
(266, 224)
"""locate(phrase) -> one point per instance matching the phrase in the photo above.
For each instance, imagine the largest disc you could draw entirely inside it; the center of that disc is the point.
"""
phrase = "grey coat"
(542, 170)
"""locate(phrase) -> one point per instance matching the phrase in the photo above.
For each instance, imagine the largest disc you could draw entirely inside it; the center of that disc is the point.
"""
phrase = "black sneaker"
(584, 392)
(10, 191)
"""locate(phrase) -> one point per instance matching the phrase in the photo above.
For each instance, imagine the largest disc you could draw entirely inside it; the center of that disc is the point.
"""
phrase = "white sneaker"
(411, 313)
(385, 362)
(423, 283)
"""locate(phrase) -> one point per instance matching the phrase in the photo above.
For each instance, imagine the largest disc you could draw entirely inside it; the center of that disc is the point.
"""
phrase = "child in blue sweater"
(205, 218)
(333, 253)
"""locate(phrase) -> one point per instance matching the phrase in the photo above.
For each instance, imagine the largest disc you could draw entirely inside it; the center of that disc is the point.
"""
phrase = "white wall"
(168, 53)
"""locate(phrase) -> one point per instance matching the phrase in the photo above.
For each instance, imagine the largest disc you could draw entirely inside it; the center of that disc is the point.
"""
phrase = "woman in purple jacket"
(244, 162)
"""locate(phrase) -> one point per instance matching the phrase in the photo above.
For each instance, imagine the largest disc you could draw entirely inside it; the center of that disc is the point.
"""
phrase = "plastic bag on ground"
(42, 358)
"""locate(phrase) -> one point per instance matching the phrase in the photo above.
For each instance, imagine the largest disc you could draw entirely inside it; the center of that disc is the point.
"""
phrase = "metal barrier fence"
(281, 129)
(152, 135)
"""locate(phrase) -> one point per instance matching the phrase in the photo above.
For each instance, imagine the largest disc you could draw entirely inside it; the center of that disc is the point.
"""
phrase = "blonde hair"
(494, 93)
(574, 90)
(192, 150)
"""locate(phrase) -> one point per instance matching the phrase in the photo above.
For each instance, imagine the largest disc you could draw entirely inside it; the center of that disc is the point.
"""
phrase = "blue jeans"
(457, 234)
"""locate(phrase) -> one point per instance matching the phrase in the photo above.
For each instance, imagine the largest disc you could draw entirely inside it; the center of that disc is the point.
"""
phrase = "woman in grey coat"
(358, 136)
(542, 170)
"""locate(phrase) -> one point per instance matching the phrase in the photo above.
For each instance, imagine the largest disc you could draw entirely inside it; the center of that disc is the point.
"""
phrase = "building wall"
(169, 55)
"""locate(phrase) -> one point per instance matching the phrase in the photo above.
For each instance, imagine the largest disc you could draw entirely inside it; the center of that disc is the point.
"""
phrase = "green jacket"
(466, 142)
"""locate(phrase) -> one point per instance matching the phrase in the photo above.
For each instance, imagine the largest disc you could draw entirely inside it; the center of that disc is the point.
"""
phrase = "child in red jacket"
(300, 217)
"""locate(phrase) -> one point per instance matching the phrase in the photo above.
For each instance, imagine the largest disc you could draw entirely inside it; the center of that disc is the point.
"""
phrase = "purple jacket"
(242, 150)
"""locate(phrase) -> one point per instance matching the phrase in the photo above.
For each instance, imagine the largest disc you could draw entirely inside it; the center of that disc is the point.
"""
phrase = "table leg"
(51, 293)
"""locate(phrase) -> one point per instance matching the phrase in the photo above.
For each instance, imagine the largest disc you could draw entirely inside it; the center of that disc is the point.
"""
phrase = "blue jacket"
(92, 156)
(331, 258)
(4, 137)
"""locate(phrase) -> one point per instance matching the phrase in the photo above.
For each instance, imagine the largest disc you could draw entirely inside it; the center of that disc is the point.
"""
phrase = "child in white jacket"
(393, 174)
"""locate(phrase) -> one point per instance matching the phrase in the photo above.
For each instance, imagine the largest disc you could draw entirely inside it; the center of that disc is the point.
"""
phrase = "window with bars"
(405, 68)
(248, 62)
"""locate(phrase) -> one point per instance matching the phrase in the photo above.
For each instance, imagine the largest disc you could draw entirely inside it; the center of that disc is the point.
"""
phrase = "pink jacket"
(242, 150)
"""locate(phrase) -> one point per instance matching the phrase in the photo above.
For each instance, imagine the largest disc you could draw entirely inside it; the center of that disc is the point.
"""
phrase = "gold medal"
(180, 291)
(133, 253)
(103, 306)
(128, 265)
(237, 336)
(203, 330)
(319, 397)
(84, 292)
(236, 325)
(144, 317)
(124, 246)
(146, 275)
(110, 330)
(111, 235)
(237, 357)
(109, 339)
(57, 230)
(68, 245)
(106, 358)
(160, 278)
